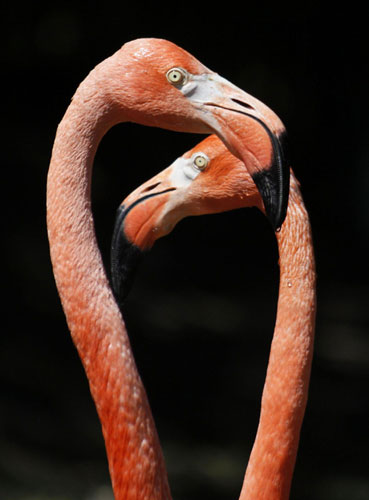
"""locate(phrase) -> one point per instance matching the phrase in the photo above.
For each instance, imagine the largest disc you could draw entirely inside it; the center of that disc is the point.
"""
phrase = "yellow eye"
(200, 160)
(177, 76)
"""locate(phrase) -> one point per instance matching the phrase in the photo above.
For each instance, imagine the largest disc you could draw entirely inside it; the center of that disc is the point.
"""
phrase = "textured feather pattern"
(135, 459)
(270, 468)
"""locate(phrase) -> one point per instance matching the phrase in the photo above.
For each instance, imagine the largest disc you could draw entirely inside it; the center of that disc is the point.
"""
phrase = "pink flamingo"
(208, 179)
(151, 82)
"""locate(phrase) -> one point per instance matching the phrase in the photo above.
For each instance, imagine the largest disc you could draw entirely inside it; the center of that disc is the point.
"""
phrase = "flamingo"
(155, 83)
(209, 179)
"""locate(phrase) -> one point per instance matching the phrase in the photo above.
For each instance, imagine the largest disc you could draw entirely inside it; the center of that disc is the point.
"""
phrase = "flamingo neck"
(270, 468)
(135, 459)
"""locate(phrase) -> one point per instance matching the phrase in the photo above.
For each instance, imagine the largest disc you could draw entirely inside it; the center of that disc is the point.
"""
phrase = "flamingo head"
(207, 179)
(154, 82)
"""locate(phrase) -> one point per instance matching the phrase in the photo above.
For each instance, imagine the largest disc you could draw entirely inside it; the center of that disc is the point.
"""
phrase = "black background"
(202, 310)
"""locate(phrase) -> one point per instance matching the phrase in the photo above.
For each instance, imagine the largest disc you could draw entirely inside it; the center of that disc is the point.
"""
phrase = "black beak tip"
(124, 259)
(275, 200)
(273, 183)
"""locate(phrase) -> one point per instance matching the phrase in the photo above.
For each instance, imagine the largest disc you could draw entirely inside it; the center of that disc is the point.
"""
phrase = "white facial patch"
(185, 170)
(202, 88)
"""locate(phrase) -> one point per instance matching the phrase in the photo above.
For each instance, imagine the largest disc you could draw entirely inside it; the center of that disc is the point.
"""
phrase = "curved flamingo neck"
(135, 459)
(272, 460)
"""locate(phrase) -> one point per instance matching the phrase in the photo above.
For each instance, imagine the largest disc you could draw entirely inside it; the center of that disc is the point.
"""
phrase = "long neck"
(269, 472)
(135, 459)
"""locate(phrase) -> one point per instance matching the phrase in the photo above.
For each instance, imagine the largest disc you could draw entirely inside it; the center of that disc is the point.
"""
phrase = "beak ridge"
(126, 254)
(273, 183)
(255, 134)
(125, 258)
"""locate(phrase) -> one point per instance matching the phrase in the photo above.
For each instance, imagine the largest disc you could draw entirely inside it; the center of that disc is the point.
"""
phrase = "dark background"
(202, 310)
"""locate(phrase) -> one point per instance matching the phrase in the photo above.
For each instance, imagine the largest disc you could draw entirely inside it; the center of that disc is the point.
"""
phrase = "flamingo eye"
(177, 76)
(200, 160)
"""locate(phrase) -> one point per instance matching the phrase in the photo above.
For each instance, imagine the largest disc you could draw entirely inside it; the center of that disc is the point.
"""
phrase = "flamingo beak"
(125, 257)
(251, 131)
(138, 224)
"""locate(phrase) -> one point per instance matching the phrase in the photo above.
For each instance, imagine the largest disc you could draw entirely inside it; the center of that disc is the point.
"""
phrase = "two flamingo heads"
(156, 83)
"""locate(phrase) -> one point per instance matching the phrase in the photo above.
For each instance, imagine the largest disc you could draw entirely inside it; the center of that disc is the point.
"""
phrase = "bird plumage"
(225, 185)
(132, 85)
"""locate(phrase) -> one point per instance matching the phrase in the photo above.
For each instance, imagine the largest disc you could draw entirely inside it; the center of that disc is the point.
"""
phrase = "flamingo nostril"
(244, 104)
(150, 188)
